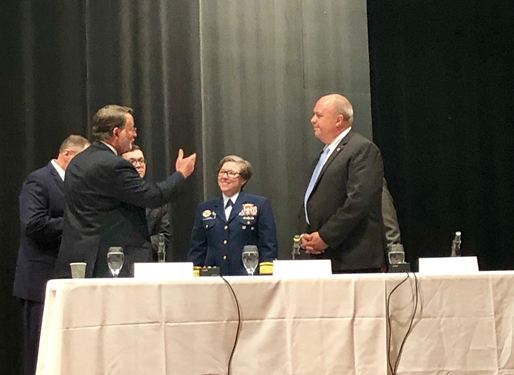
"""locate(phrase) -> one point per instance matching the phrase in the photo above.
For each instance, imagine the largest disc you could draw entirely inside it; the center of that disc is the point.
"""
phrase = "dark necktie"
(228, 209)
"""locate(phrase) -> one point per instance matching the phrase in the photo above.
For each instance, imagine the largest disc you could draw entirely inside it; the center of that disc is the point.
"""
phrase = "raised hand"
(186, 166)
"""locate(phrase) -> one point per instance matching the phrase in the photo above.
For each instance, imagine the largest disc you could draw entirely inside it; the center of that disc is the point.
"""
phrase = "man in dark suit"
(223, 226)
(41, 217)
(158, 218)
(341, 218)
(106, 198)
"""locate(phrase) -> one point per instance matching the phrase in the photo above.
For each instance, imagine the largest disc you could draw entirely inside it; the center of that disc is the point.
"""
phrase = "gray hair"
(246, 168)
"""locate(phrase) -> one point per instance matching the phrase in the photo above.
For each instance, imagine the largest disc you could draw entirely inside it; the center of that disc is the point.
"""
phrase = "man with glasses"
(106, 198)
(223, 226)
(41, 218)
(158, 219)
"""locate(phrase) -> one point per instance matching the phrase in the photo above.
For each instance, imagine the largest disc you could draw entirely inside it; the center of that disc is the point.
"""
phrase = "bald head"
(342, 106)
(332, 115)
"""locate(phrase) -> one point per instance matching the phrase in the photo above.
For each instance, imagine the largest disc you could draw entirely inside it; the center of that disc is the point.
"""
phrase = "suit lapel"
(237, 207)
(219, 209)
(55, 175)
(333, 155)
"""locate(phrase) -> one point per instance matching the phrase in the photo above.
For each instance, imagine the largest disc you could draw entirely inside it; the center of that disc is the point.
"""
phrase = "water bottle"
(456, 245)
(161, 249)
(296, 246)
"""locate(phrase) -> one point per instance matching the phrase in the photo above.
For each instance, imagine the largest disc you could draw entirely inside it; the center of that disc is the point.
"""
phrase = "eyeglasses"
(231, 174)
(135, 162)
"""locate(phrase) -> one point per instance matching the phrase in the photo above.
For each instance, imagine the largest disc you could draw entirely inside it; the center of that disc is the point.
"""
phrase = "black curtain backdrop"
(442, 79)
(57, 68)
(442, 83)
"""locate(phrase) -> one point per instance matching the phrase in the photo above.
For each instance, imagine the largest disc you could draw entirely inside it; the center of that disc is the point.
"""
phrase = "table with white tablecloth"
(332, 325)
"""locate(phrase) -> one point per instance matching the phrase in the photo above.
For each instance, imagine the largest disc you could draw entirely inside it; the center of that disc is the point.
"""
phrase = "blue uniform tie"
(314, 178)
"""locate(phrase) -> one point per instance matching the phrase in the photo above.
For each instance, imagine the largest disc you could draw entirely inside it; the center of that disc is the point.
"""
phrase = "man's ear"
(116, 132)
(339, 120)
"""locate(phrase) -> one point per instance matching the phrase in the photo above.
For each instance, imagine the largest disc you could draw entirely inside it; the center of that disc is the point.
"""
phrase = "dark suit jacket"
(218, 242)
(345, 205)
(105, 200)
(41, 219)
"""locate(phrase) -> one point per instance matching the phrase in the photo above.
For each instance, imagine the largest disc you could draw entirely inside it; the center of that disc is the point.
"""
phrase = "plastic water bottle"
(161, 249)
(296, 246)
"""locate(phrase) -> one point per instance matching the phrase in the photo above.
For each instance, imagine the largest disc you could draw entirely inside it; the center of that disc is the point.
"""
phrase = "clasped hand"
(312, 243)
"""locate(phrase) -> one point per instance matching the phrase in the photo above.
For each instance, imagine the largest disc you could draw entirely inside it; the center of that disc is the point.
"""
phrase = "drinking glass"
(396, 254)
(115, 258)
(250, 258)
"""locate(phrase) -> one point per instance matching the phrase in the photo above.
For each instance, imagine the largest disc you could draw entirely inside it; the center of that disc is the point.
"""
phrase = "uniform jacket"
(218, 242)
(105, 206)
(345, 205)
(41, 203)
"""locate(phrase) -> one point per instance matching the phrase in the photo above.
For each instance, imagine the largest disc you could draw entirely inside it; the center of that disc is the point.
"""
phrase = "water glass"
(250, 258)
(395, 253)
(115, 258)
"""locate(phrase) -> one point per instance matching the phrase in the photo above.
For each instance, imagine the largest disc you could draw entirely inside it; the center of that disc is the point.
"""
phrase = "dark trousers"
(32, 317)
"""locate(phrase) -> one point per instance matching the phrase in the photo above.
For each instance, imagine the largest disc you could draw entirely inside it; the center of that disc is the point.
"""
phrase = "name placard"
(163, 271)
(302, 268)
(448, 265)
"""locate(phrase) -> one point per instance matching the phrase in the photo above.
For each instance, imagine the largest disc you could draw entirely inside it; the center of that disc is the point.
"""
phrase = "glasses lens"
(229, 173)
(137, 161)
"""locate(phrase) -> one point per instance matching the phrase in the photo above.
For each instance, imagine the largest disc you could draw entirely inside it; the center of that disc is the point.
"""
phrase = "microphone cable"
(394, 368)
(238, 331)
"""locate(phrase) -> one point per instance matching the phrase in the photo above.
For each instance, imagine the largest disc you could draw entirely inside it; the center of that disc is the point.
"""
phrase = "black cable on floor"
(234, 297)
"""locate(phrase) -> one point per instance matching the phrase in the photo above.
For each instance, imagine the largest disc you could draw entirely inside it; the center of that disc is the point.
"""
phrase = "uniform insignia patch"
(208, 215)
(249, 209)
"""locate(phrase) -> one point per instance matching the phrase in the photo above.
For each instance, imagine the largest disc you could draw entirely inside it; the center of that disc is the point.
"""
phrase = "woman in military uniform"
(223, 226)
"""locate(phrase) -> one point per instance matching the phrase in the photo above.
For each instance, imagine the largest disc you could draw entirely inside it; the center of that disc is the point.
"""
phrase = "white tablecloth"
(334, 325)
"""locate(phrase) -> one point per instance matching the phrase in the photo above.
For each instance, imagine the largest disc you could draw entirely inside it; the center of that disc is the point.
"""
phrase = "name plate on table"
(163, 271)
(448, 265)
(302, 268)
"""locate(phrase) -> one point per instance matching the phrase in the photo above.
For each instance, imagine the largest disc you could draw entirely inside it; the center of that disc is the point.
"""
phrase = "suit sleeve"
(198, 245)
(125, 184)
(363, 189)
(35, 216)
(267, 244)
(390, 220)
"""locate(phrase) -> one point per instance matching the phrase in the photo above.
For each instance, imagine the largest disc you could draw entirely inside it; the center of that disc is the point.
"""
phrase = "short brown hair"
(76, 142)
(134, 148)
(246, 167)
(107, 118)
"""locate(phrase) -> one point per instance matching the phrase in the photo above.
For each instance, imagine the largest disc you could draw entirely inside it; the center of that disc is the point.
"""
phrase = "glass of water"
(395, 253)
(115, 258)
(250, 258)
